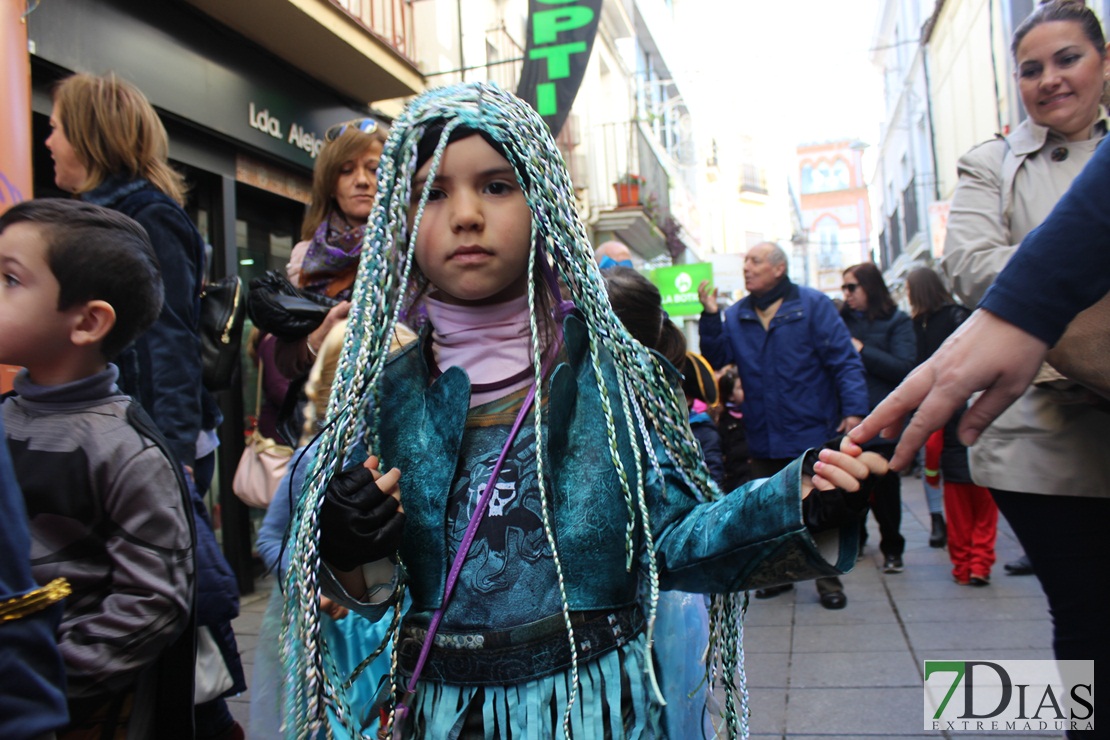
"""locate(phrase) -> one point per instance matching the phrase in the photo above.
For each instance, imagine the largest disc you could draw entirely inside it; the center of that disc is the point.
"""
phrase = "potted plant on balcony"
(628, 190)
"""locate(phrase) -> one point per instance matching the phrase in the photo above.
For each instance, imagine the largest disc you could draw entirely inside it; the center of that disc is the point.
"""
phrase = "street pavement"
(855, 672)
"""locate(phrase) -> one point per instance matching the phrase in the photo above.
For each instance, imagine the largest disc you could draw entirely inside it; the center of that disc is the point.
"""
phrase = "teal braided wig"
(387, 290)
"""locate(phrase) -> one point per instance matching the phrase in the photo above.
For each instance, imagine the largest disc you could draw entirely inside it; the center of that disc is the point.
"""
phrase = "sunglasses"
(365, 125)
(850, 287)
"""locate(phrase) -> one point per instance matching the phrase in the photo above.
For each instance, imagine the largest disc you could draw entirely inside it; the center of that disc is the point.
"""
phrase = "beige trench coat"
(1006, 188)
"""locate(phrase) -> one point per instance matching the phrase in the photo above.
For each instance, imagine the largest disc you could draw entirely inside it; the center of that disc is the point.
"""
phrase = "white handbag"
(262, 465)
(212, 677)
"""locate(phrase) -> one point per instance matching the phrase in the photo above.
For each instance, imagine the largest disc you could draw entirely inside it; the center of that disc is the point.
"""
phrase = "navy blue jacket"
(217, 598)
(801, 375)
(162, 369)
(709, 440)
(889, 350)
(32, 677)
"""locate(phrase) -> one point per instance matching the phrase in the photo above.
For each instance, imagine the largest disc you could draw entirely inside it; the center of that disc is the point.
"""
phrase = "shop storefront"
(244, 128)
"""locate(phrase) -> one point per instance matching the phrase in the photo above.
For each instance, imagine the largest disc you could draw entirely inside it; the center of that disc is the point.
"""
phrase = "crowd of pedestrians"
(586, 502)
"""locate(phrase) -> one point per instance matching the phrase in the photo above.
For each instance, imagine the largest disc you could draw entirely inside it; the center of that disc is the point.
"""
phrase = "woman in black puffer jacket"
(883, 335)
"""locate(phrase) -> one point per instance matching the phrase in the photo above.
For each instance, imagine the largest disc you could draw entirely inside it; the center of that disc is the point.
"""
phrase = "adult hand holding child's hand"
(837, 483)
(361, 519)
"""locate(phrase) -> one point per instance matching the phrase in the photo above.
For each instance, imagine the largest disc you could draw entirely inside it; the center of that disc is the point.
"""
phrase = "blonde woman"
(110, 148)
(344, 183)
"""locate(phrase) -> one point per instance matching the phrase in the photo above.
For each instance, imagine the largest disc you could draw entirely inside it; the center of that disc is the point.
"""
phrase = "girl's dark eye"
(499, 188)
(1030, 72)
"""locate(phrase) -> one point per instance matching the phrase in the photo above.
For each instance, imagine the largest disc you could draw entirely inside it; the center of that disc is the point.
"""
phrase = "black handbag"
(277, 307)
(222, 310)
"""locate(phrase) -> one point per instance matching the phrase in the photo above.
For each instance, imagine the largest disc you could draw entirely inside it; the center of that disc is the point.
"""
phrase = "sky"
(787, 71)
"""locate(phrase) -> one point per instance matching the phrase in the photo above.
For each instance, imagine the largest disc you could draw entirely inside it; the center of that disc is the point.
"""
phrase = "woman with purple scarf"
(344, 184)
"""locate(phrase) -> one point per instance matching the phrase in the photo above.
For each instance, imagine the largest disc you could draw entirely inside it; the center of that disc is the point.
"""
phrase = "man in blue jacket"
(803, 380)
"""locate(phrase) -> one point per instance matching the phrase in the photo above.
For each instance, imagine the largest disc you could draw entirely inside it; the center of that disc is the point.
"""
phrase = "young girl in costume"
(548, 482)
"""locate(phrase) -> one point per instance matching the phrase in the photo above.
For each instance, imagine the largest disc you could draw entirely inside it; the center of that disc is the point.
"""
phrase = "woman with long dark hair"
(883, 336)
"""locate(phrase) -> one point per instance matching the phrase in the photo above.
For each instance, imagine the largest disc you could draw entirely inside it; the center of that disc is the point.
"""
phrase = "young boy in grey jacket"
(107, 507)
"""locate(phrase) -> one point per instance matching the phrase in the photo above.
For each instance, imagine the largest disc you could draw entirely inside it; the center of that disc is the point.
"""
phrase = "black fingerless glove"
(822, 510)
(358, 522)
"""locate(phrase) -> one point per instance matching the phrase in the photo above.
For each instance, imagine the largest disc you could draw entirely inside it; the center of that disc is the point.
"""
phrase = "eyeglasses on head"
(365, 125)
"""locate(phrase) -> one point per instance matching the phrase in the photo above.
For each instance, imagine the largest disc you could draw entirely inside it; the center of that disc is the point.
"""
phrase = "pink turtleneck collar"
(492, 343)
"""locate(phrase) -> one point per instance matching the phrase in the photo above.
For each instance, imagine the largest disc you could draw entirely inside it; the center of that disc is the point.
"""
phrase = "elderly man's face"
(760, 274)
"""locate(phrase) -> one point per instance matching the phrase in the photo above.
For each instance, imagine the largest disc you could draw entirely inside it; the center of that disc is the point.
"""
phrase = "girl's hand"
(361, 519)
(839, 478)
(333, 609)
(389, 482)
(844, 469)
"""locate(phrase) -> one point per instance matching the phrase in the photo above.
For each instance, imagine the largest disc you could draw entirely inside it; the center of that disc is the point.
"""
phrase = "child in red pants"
(972, 514)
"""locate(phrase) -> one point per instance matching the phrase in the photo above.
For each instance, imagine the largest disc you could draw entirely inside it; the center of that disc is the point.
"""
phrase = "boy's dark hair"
(97, 254)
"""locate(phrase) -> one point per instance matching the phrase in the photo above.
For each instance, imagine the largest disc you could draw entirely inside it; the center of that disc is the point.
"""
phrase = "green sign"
(561, 35)
(679, 287)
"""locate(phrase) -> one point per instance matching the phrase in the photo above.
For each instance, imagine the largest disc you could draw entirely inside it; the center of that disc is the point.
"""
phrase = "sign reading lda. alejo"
(679, 287)
(1009, 695)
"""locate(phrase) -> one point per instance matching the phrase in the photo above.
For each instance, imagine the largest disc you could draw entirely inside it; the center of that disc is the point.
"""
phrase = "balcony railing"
(389, 20)
(621, 149)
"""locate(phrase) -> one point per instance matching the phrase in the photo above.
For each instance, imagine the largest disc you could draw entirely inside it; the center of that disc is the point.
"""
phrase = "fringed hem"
(535, 709)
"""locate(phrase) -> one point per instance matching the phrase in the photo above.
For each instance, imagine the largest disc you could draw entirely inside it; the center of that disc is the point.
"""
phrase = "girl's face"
(1060, 77)
(357, 185)
(69, 172)
(737, 395)
(476, 232)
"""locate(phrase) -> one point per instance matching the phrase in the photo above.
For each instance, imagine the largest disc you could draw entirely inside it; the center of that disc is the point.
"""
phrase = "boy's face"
(476, 232)
(33, 332)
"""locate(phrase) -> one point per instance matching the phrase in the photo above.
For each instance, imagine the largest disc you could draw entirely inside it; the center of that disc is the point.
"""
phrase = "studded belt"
(519, 654)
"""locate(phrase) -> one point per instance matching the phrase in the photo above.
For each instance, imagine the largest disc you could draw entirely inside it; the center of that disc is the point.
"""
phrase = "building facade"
(904, 181)
(835, 214)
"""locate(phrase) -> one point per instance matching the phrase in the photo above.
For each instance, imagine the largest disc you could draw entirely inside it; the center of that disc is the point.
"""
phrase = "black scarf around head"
(780, 290)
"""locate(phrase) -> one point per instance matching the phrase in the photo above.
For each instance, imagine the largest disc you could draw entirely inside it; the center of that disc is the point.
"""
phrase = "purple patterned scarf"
(334, 251)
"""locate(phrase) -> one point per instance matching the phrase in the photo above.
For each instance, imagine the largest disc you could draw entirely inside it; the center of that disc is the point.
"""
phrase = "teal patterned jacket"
(752, 538)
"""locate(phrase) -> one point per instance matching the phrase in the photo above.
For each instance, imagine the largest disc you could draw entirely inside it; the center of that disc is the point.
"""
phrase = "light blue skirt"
(350, 640)
(526, 710)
